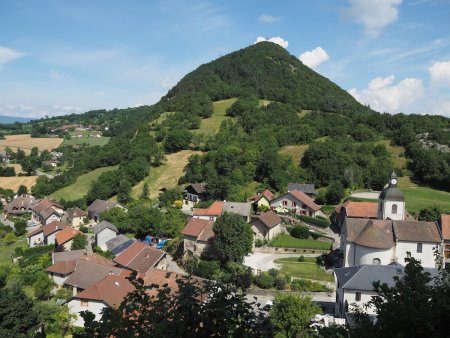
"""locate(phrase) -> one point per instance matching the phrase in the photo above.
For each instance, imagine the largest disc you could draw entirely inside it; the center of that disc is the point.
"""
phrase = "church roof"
(416, 231)
(376, 234)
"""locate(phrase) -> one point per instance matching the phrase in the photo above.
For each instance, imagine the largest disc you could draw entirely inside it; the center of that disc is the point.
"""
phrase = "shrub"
(259, 243)
(178, 204)
(263, 208)
(207, 269)
(273, 272)
(300, 231)
(304, 285)
(264, 280)
(280, 283)
(317, 221)
(84, 229)
(301, 258)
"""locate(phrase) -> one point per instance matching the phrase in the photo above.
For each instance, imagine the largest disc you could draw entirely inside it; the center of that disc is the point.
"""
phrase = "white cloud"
(384, 96)
(9, 55)
(314, 57)
(276, 39)
(18, 110)
(267, 18)
(440, 73)
(441, 108)
(374, 15)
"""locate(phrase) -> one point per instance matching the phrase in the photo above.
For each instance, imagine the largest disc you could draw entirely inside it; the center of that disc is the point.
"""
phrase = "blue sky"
(59, 57)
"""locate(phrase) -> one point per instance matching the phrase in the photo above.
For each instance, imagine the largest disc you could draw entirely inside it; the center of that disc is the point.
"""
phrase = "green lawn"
(307, 269)
(295, 152)
(287, 241)
(82, 185)
(91, 141)
(212, 124)
(7, 250)
(419, 197)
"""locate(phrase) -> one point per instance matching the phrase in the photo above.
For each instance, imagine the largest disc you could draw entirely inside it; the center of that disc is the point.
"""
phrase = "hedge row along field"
(287, 241)
(324, 223)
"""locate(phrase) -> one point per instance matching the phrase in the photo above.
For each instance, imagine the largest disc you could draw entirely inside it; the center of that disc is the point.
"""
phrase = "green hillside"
(267, 71)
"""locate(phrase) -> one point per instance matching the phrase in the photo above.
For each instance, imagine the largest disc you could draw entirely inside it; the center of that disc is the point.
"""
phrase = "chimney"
(147, 255)
(74, 291)
(110, 272)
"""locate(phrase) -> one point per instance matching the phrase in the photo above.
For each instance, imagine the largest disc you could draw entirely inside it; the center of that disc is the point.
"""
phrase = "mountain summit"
(267, 71)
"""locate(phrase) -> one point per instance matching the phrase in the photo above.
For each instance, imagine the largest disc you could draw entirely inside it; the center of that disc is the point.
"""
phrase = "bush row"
(324, 223)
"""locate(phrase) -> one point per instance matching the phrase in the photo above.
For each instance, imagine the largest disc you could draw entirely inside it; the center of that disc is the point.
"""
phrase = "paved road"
(372, 195)
(40, 173)
(264, 261)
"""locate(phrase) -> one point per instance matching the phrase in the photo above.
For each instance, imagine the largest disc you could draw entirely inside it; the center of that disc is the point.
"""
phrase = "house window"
(285, 203)
(376, 261)
(357, 296)
(294, 204)
(211, 218)
(84, 303)
(419, 247)
(394, 208)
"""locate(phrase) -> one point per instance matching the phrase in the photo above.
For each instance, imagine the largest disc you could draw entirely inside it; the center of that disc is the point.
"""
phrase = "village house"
(198, 237)
(307, 188)
(108, 292)
(354, 285)
(99, 206)
(389, 238)
(239, 208)
(262, 199)
(64, 238)
(88, 273)
(295, 201)
(266, 226)
(351, 209)
(104, 231)
(76, 217)
(46, 211)
(444, 223)
(118, 244)
(141, 258)
(194, 193)
(209, 214)
(21, 205)
(64, 264)
(46, 234)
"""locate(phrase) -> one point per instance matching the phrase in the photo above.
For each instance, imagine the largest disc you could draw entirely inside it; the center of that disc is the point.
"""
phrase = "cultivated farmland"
(15, 182)
(26, 142)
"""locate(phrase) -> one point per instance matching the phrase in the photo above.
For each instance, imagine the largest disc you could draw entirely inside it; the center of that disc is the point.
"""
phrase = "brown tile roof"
(445, 224)
(362, 209)
(68, 266)
(194, 227)
(199, 188)
(63, 268)
(353, 227)
(214, 210)
(99, 206)
(66, 235)
(416, 231)
(165, 278)
(111, 290)
(301, 196)
(269, 219)
(376, 234)
(77, 212)
(207, 234)
(45, 204)
(88, 273)
(266, 193)
(49, 228)
(21, 204)
(65, 256)
(139, 257)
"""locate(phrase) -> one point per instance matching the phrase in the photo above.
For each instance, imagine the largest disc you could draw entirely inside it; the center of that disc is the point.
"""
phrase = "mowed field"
(295, 152)
(166, 175)
(81, 187)
(26, 142)
(91, 141)
(398, 154)
(417, 197)
(212, 124)
(15, 182)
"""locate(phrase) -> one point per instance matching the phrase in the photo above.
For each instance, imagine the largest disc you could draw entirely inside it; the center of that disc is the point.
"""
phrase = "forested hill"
(267, 71)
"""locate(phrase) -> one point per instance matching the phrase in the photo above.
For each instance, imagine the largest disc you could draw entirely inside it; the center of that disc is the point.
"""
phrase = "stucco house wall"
(77, 221)
(51, 218)
(426, 257)
(51, 239)
(103, 236)
(387, 210)
(58, 279)
(76, 306)
(289, 202)
(365, 255)
(36, 240)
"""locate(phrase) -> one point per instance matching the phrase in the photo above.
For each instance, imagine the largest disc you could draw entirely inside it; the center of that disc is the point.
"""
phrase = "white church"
(391, 237)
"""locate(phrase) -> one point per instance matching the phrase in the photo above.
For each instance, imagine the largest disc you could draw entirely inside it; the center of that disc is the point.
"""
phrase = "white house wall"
(93, 306)
(104, 236)
(52, 218)
(51, 239)
(387, 208)
(37, 239)
(364, 255)
(426, 257)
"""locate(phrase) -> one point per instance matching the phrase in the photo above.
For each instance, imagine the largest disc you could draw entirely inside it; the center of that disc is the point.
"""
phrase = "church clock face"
(394, 181)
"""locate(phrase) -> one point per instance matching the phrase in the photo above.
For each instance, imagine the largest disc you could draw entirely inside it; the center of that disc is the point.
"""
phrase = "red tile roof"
(139, 257)
(214, 210)
(111, 290)
(361, 209)
(49, 228)
(195, 226)
(165, 278)
(445, 223)
(66, 235)
(63, 268)
(301, 196)
(266, 193)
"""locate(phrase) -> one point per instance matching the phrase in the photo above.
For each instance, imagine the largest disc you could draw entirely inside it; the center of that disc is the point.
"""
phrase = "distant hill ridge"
(12, 119)
(267, 71)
